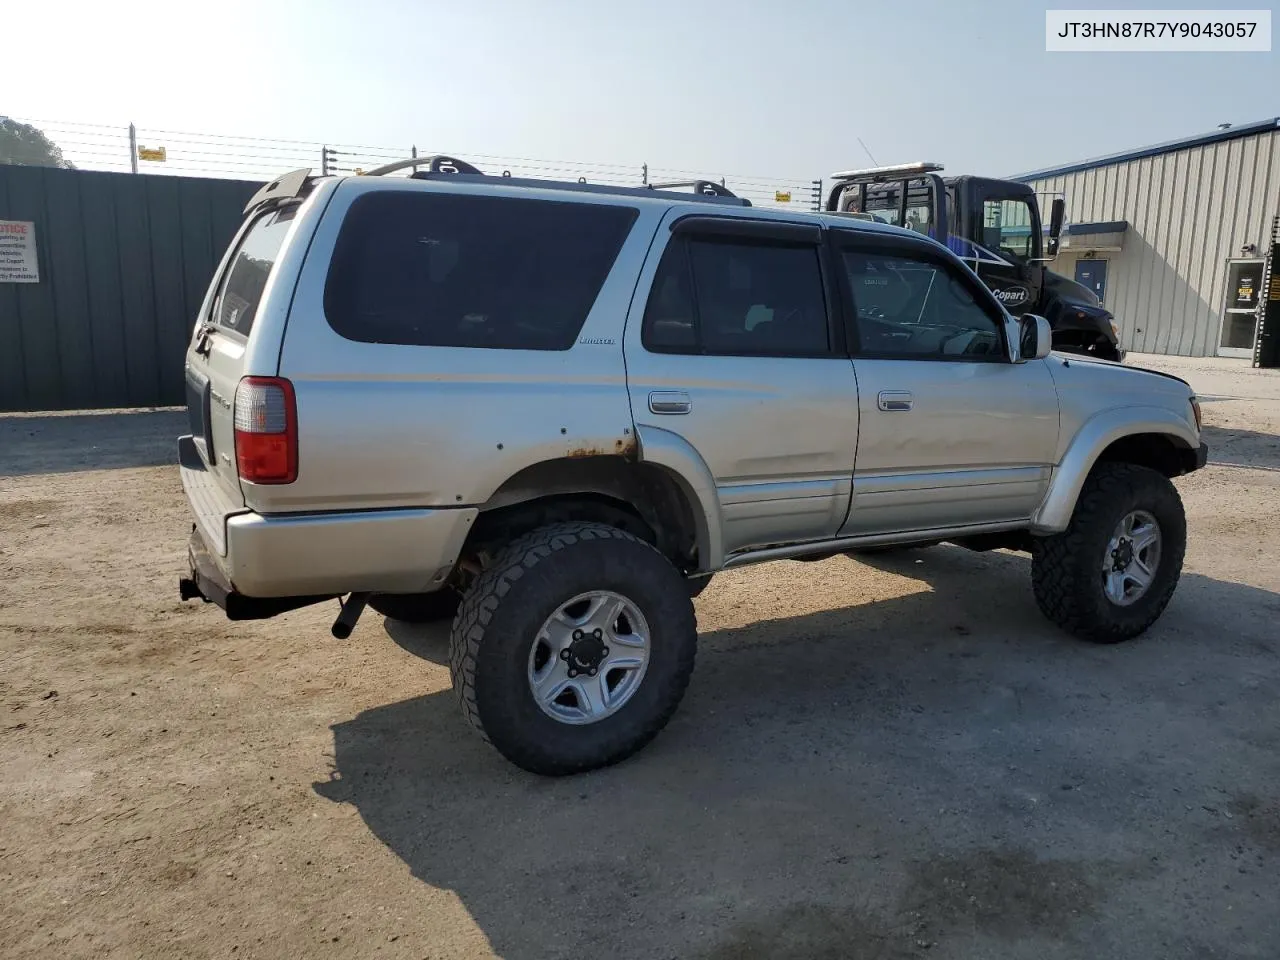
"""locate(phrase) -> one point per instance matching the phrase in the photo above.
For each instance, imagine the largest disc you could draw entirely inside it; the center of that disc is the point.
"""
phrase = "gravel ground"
(888, 759)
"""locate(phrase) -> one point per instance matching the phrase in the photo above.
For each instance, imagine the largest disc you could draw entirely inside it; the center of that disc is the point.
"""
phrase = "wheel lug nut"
(604, 652)
(598, 633)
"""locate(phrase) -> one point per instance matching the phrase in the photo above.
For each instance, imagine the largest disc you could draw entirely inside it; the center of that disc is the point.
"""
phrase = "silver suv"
(551, 411)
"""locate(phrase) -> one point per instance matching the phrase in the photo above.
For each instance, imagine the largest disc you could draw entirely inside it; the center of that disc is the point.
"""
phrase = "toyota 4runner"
(552, 411)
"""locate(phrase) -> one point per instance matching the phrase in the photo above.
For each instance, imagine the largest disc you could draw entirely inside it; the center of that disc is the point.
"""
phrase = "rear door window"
(454, 270)
(236, 304)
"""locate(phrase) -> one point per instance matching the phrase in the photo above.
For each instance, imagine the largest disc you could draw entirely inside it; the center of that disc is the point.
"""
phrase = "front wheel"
(574, 648)
(1112, 572)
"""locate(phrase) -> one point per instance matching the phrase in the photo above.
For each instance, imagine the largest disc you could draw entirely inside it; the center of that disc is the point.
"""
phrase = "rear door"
(216, 357)
(740, 356)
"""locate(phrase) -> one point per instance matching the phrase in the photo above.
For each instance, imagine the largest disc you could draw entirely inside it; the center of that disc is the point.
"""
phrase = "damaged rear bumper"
(207, 582)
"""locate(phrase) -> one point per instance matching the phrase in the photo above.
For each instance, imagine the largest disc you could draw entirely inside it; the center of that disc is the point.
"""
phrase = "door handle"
(892, 401)
(669, 402)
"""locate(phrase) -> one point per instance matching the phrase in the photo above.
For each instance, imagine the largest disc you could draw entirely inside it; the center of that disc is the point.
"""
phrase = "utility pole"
(815, 195)
(133, 149)
(644, 175)
(324, 161)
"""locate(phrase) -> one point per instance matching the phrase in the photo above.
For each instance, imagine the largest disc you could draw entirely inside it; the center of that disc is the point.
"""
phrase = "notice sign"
(18, 252)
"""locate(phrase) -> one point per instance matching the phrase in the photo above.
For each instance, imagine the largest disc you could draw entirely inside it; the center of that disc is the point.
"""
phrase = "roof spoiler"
(288, 187)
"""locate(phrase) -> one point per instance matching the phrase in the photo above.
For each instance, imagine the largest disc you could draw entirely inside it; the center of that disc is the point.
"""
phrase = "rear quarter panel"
(384, 425)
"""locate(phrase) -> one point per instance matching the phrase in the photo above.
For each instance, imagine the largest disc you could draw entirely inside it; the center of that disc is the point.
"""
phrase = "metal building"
(1173, 237)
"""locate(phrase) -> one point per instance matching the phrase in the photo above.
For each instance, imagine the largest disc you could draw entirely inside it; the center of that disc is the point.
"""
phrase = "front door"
(736, 354)
(953, 433)
(1093, 274)
(1240, 308)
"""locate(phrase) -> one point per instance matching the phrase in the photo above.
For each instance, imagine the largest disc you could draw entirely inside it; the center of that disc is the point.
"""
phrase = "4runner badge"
(598, 341)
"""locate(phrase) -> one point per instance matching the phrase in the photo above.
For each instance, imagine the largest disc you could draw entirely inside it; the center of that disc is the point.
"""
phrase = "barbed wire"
(194, 153)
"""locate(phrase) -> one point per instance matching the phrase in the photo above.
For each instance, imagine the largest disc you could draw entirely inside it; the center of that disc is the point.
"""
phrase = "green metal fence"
(122, 261)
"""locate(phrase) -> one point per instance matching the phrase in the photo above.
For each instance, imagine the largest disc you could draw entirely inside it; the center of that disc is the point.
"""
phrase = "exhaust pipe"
(352, 607)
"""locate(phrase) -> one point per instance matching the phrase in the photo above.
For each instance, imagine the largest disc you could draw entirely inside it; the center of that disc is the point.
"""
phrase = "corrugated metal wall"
(1189, 212)
(124, 262)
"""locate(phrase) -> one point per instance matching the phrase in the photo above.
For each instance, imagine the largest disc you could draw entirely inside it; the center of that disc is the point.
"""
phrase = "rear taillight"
(266, 425)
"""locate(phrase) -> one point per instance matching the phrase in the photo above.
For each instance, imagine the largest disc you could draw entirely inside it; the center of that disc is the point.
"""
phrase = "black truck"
(995, 226)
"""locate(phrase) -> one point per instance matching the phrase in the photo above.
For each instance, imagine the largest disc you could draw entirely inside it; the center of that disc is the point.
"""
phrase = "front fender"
(670, 450)
(1098, 433)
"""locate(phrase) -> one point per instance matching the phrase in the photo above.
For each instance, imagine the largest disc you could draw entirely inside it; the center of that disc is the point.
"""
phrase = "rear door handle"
(892, 401)
(669, 402)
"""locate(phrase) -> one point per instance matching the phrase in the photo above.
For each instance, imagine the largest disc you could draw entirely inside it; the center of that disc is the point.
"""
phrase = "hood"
(1123, 369)
(1069, 290)
(1089, 385)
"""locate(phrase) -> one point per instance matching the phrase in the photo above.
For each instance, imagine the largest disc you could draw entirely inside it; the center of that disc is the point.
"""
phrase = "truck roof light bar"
(899, 172)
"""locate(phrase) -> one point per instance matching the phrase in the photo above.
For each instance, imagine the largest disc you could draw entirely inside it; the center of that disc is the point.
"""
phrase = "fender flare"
(1098, 433)
(667, 449)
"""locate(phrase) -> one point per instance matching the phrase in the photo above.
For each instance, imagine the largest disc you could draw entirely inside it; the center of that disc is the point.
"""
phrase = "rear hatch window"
(454, 270)
(236, 304)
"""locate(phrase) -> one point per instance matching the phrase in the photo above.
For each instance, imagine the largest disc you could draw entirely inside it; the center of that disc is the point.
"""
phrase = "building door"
(1240, 308)
(1093, 274)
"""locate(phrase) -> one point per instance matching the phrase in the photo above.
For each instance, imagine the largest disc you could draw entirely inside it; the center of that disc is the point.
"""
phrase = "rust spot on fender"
(621, 447)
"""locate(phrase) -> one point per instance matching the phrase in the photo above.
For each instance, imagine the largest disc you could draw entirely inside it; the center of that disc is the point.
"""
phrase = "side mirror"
(1035, 337)
(1056, 218)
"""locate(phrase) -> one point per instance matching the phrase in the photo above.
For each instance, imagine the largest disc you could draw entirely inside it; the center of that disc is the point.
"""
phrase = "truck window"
(753, 298)
(915, 308)
(1006, 228)
(236, 305)
(453, 270)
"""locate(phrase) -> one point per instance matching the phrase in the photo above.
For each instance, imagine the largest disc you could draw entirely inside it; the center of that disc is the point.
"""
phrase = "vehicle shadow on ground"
(943, 768)
(33, 444)
(1242, 448)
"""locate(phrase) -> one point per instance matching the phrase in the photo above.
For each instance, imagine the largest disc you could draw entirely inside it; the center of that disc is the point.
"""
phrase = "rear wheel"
(1112, 572)
(573, 649)
(417, 607)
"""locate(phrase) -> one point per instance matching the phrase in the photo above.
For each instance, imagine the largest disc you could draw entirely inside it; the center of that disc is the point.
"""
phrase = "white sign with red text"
(18, 263)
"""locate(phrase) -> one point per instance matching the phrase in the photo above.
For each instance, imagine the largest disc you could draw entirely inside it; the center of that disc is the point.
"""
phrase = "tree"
(23, 144)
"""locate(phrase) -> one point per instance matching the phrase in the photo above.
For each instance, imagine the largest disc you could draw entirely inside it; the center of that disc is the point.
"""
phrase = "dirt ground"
(895, 759)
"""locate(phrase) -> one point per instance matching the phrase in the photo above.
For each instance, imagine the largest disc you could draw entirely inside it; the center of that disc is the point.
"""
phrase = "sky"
(770, 89)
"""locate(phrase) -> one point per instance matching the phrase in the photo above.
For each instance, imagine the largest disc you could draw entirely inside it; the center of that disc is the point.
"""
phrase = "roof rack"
(437, 163)
(441, 165)
(706, 188)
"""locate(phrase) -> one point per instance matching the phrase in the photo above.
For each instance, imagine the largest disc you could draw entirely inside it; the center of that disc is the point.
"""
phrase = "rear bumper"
(237, 552)
(207, 582)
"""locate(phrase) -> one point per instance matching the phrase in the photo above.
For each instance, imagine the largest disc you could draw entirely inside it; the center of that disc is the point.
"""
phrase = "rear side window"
(450, 270)
(737, 298)
(236, 304)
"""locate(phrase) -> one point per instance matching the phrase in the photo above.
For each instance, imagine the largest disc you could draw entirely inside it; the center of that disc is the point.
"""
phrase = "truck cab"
(995, 226)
